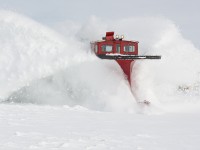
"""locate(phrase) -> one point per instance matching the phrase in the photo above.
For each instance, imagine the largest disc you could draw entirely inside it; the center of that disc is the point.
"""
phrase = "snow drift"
(40, 66)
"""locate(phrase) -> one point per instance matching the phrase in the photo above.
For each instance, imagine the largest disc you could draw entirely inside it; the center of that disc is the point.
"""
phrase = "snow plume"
(39, 66)
(98, 86)
(172, 83)
(29, 51)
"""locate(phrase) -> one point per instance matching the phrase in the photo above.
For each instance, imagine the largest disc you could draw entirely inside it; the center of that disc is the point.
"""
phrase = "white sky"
(185, 13)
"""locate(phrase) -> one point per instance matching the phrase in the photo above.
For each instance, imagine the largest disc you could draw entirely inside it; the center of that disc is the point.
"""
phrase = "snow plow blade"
(128, 57)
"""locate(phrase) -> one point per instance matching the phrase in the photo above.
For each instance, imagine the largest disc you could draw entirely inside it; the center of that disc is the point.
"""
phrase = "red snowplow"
(123, 51)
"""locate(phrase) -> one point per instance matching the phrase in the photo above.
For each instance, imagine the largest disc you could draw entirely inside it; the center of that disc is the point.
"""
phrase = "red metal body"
(126, 66)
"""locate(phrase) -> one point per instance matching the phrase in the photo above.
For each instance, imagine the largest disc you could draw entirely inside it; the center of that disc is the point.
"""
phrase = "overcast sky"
(184, 13)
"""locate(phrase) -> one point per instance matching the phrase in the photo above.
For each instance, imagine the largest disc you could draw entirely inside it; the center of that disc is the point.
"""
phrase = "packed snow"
(32, 127)
(55, 94)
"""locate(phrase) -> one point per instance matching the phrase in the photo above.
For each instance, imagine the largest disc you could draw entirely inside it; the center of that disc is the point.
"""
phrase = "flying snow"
(54, 67)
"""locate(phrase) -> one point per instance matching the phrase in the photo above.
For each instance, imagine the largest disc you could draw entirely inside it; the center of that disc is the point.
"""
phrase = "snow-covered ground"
(32, 127)
(56, 95)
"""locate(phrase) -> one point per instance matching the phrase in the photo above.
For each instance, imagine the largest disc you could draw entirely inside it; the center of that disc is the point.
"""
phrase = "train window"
(129, 48)
(96, 49)
(118, 48)
(107, 48)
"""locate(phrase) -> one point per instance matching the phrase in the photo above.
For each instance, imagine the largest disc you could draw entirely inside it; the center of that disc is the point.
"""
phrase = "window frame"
(118, 48)
(105, 51)
(133, 48)
(96, 48)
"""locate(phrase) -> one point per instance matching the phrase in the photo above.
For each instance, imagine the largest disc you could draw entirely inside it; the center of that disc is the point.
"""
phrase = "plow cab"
(110, 46)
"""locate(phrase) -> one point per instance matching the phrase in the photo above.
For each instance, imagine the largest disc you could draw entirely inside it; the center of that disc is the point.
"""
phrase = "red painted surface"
(126, 66)
(109, 35)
